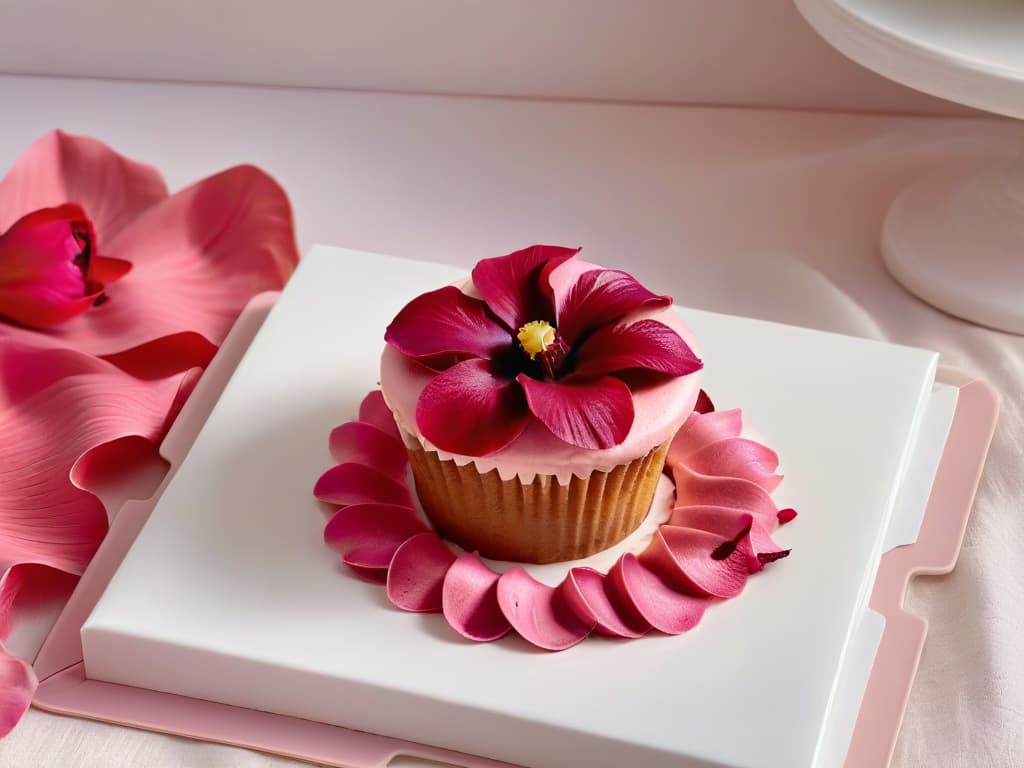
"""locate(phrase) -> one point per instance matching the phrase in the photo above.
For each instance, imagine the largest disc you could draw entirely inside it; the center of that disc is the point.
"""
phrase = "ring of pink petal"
(718, 534)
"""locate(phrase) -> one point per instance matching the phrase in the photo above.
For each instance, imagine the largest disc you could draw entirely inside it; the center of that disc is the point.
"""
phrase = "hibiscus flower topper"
(538, 335)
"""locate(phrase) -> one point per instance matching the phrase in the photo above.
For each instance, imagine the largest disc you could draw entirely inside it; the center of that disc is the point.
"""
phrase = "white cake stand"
(955, 239)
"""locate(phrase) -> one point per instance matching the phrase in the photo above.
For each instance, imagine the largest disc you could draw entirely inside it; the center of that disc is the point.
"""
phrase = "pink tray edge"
(64, 689)
(935, 552)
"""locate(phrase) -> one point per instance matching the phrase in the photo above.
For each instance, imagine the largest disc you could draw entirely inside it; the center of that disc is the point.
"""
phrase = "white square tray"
(228, 593)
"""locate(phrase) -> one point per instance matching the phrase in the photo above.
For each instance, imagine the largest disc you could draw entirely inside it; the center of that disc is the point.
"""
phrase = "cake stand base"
(956, 240)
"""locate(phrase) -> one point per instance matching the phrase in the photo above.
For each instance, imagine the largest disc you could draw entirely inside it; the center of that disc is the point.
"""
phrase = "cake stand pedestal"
(955, 238)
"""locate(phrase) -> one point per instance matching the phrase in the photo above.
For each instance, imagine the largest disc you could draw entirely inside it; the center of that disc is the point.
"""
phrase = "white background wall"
(734, 52)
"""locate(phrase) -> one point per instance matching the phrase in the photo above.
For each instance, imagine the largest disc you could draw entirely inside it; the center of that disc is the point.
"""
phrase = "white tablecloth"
(767, 214)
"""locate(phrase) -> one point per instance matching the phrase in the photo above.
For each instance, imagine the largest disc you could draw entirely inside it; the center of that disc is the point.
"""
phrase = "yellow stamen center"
(535, 337)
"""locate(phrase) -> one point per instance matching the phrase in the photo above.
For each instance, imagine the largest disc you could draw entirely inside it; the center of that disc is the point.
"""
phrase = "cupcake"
(537, 400)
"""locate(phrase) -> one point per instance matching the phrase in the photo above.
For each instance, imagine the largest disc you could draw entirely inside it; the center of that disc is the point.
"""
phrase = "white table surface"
(768, 214)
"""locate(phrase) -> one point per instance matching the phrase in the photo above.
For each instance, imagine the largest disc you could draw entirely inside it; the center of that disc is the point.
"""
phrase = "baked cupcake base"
(538, 522)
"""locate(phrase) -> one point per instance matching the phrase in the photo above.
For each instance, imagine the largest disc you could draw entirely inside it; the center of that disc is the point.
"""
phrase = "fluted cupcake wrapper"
(537, 522)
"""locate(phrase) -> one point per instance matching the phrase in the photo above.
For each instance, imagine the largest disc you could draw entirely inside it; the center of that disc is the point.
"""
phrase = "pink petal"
(538, 612)
(727, 523)
(361, 443)
(662, 607)
(358, 484)
(587, 594)
(17, 684)
(587, 413)
(447, 322)
(198, 257)
(373, 410)
(61, 168)
(704, 404)
(738, 457)
(599, 298)
(417, 571)
(56, 405)
(471, 410)
(699, 562)
(732, 492)
(703, 429)
(470, 600)
(645, 344)
(44, 267)
(367, 535)
(512, 285)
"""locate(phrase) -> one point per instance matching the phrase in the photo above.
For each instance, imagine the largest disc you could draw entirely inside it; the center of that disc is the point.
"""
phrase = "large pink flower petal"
(645, 344)
(471, 410)
(373, 410)
(446, 322)
(738, 457)
(538, 612)
(367, 535)
(470, 600)
(56, 405)
(17, 684)
(60, 168)
(664, 608)
(361, 443)
(588, 413)
(587, 593)
(600, 297)
(358, 484)
(512, 285)
(417, 571)
(198, 257)
(699, 562)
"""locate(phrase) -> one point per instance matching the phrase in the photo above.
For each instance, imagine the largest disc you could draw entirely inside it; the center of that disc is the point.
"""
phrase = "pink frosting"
(660, 409)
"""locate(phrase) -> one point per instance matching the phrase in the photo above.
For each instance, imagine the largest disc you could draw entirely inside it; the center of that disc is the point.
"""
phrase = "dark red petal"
(645, 344)
(357, 484)
(704, 403)
(587, 413)
(416, 573)
(512, 285)
(539, 613)
(373, 410)
(471, 410)
(105, 270)
(446, 321)
(361, 443)
(600, 297)
(786, 515)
